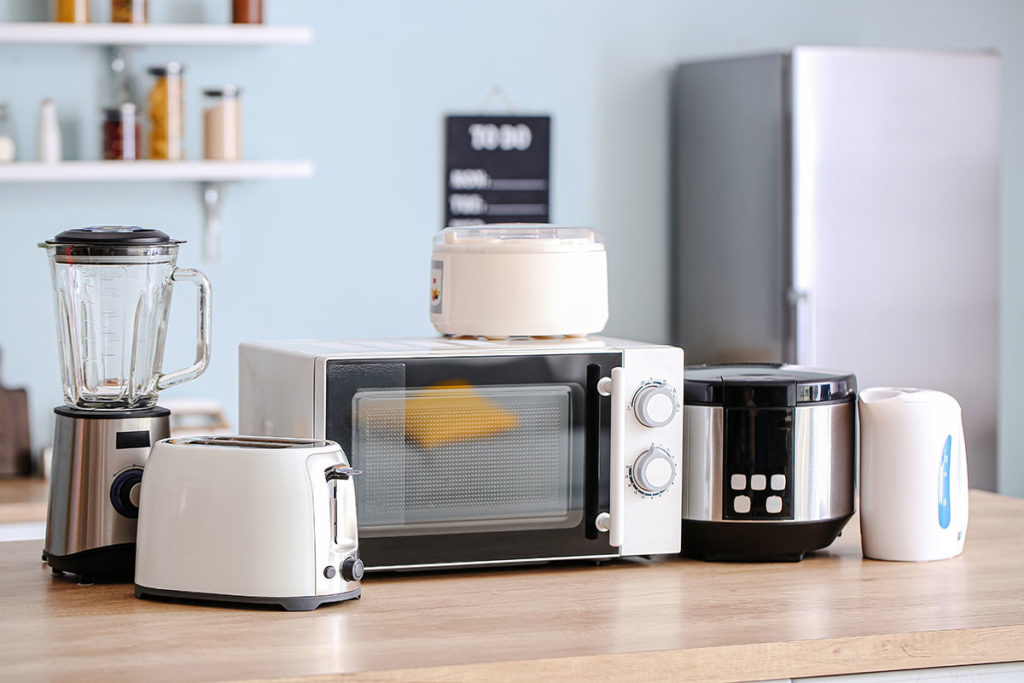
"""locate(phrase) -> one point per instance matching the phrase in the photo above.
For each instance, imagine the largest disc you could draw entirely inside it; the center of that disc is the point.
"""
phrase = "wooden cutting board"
(15, 448)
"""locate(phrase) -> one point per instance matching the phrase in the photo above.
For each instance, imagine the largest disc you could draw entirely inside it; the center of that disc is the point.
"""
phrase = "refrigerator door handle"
(800, 347)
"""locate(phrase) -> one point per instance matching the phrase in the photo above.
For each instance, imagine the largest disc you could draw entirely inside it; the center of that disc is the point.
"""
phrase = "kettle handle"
(165, 380)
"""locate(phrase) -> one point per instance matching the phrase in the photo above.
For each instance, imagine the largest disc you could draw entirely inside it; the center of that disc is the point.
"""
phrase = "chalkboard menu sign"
(497, 169)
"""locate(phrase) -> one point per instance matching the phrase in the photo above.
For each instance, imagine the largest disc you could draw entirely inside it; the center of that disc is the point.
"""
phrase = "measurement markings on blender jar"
(497, 168)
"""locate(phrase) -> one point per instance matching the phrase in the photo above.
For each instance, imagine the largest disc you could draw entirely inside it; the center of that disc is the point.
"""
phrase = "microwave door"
(476, 460)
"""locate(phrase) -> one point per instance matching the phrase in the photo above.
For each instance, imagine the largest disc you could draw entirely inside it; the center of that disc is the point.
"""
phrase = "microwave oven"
(478, 452)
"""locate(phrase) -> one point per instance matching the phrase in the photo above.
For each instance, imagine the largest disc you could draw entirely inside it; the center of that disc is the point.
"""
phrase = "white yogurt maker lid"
(518, 237)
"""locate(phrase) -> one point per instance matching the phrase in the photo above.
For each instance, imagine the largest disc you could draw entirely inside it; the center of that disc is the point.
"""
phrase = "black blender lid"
(112, 235)
(765, 385)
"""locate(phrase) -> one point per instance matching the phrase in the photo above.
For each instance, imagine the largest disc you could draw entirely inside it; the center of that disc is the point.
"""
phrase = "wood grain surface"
(664, 619)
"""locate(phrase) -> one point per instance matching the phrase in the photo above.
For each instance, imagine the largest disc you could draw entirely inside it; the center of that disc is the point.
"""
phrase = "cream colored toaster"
(248, 519)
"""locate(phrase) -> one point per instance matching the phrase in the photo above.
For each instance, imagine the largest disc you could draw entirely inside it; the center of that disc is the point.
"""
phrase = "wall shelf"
(154, 171)
(53, 33)
(211, 176)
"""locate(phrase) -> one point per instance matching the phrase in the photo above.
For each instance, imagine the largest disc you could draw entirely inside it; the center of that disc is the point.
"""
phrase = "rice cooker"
(768, 460)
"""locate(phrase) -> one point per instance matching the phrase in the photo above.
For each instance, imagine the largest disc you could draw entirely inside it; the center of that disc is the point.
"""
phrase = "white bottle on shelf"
(8, 148)
(48, 142)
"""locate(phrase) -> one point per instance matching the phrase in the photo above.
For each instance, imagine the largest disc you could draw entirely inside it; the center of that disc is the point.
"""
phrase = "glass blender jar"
(113, 293)
(113, 287)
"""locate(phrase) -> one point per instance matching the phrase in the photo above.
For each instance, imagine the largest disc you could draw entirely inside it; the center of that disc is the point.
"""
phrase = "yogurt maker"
(508, 280)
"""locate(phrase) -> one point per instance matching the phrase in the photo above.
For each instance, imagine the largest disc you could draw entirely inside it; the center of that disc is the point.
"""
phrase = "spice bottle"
(247, 11)
(121, 133)
(129, 11)
(222, 123)
(73, 11)
(8, 148)
(167, 112)
(48, 140)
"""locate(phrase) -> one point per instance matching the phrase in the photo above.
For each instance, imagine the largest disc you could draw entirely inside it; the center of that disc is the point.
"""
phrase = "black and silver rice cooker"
(768, 460)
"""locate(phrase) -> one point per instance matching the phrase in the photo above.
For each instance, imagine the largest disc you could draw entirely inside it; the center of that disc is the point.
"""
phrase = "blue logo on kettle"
(944, 484)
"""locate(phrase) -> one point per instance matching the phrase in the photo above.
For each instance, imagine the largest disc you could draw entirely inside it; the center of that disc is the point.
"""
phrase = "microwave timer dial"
(655, 404)
(653, 471)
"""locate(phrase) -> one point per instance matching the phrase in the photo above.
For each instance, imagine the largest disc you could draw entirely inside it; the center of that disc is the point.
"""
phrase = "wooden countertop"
(23, 500)
(668, 619)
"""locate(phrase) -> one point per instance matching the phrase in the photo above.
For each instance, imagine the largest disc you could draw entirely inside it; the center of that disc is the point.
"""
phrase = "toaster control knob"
(655, 404)
(330, 571)
(653, 471)
(352, 569)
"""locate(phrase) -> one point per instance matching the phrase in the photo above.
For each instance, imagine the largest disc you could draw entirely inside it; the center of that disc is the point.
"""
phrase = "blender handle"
(193, 371)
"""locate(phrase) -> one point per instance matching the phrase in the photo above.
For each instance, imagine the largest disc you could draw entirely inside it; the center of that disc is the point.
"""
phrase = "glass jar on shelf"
(247, 11)
(73, 11)
(129, 11)
(122, 136)
(167, 112)
(222, 122)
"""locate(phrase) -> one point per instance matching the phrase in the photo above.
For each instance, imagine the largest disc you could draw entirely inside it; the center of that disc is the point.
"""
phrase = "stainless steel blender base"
(97, 464)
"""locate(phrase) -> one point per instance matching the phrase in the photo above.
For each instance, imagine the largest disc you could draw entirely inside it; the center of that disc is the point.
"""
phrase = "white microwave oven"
(480, 452)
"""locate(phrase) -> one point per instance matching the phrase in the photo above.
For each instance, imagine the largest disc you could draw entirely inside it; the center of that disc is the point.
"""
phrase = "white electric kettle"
(913, 475)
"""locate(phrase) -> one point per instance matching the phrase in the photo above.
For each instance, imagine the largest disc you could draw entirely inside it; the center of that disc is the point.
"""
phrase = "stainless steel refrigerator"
(839, 207)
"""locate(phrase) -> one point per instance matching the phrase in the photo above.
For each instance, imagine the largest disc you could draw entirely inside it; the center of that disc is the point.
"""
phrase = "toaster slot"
(336, 475)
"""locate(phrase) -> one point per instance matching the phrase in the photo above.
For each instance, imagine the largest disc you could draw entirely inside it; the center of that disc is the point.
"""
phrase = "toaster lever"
(340, 472)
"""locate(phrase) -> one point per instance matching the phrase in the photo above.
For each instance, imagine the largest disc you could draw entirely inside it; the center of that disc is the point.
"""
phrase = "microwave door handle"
(615, 386)
(592, 454)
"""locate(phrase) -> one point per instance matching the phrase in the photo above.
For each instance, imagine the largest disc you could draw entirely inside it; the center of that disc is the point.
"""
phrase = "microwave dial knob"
(654, 470)
(655, 404)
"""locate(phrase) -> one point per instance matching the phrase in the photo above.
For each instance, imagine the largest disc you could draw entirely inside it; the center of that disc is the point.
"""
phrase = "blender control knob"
(124, 492)
(654, 470)
(133, 494)
(655, 404)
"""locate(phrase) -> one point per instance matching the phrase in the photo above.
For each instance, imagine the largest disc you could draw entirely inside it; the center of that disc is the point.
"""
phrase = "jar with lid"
(121, 133)
(167, 112)
(73, 11)
(222, 122)
(129, 11)
(247, 11)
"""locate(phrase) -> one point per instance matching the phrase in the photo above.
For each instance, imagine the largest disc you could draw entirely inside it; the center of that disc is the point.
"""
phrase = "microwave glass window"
(457, 458)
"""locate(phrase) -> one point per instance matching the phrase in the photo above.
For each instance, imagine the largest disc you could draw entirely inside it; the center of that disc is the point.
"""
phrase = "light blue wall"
(346, 254)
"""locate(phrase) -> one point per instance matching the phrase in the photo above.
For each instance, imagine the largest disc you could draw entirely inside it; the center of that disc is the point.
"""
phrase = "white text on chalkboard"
(506, 137)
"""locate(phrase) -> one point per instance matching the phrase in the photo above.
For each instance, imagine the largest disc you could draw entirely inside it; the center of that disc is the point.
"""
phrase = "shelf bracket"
(213, 199)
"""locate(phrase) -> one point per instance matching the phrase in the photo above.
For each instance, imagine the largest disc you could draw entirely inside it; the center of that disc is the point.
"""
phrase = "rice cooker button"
(738, 482)
(655, 405)
(758, 482)
(741, 504)
(778, 482)
(773, 505)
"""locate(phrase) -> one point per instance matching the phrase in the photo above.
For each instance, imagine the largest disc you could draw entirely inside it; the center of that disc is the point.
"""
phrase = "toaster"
(248, 519)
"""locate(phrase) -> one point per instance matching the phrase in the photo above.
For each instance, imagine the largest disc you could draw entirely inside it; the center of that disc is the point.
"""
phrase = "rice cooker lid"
(766, 385)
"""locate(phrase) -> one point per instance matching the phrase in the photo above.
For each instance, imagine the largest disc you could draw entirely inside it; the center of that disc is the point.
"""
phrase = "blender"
(113, 294)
